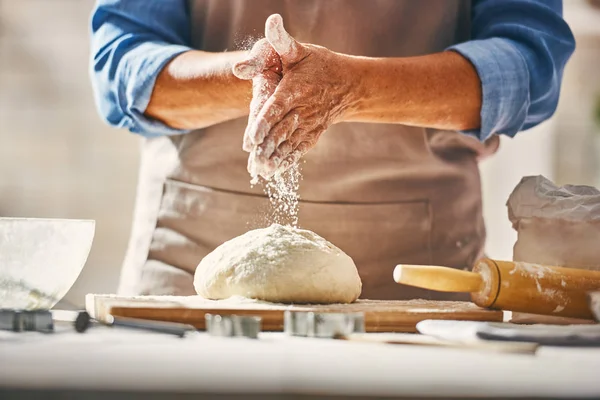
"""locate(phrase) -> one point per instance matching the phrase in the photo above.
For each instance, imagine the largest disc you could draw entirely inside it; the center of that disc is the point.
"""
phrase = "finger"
(251, 167)
(281, 153)
(296, 155)
(273, 111)
(246, 144)
(262, 89)
(267, 168)
(284, 44)
(286, 148)
(296, 138)
(247, 69)
(288, 145)
(257, 168)
(278, 134)
(301, 150)
(256, 62)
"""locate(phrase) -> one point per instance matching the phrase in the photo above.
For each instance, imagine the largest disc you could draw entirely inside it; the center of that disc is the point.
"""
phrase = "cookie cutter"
(232, 325)
(323, 325)
(26, 320)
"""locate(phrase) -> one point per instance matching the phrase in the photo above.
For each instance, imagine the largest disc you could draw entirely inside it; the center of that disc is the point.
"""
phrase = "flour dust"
(283, 195)
(245, 42)
(282, 191)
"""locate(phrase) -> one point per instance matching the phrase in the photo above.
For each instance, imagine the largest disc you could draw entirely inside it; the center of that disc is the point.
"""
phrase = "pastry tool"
(233, 325)
(26, 321)
(81, 321)
(351, 327)
(84, 321)
(511, 286)
(463, 344)
(541, 334)
(322, 325)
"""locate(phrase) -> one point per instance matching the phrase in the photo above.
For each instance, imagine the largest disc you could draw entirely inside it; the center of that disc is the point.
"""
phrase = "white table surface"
(122, 360)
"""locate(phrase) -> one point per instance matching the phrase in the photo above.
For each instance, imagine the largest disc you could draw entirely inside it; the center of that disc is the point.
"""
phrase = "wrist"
(357, 87)
(198, 89)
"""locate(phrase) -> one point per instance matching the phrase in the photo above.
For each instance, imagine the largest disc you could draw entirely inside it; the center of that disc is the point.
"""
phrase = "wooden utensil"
(511, 286)
(380, 316)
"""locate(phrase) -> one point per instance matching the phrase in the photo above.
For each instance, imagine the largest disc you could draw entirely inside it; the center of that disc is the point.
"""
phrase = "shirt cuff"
(505, 85)
(137, 80)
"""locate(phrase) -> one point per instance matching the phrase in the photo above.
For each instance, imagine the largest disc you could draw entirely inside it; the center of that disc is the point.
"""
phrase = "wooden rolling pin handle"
(442, 279)
(512, 286)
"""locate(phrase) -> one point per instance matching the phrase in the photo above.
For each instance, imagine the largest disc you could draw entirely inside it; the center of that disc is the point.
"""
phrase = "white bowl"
(40, 259)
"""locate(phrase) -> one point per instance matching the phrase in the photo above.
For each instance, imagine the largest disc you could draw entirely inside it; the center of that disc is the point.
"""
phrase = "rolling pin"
(511, 286)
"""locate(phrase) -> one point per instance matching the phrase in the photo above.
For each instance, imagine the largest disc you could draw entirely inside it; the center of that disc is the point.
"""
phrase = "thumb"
(256, 61)
(284, 44)
(246, 69)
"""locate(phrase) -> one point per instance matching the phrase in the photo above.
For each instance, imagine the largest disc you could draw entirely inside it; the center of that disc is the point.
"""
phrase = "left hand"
(263, 67)
(314, 92)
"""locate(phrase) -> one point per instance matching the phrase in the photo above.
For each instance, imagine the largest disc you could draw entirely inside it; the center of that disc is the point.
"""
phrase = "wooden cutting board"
(380, 315)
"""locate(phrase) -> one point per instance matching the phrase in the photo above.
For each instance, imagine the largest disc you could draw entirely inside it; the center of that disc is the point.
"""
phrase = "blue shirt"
(518, 47)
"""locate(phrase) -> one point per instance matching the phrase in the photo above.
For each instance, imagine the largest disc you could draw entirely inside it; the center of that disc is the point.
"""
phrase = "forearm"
(197, 89)
(440, 91)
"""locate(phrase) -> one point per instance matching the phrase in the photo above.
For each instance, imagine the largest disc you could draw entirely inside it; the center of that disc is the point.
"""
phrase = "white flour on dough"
(280, 264)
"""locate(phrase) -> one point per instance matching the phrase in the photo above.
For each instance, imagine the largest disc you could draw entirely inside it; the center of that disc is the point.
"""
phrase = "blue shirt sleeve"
(132, 40)
(519, 49)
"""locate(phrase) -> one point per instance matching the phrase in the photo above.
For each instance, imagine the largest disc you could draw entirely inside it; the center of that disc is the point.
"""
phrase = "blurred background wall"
(57, 159)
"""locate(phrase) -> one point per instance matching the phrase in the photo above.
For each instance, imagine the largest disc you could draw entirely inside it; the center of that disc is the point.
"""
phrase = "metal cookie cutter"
(323, 325)
(232, 325)
(22, 320)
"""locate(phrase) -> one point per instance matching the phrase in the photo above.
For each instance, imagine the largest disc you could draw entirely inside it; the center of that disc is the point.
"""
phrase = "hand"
(312, 94)
(263, 67)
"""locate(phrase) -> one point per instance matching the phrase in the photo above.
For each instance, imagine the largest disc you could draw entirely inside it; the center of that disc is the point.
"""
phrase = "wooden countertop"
(120, 360)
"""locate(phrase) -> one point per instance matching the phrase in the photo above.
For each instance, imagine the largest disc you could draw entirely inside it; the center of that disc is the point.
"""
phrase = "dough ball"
(279, 264)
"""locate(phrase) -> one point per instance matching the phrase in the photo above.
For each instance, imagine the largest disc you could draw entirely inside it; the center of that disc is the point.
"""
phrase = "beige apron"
(385, 194)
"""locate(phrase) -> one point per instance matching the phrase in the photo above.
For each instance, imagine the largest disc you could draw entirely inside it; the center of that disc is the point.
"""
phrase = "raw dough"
(279, 264)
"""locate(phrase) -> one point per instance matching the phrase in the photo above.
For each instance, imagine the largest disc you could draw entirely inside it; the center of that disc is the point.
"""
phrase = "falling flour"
(282, 190)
